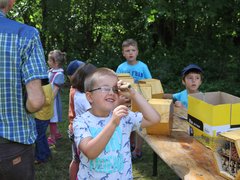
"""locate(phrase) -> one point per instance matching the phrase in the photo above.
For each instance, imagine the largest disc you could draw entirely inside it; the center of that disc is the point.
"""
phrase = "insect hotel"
(227, 154)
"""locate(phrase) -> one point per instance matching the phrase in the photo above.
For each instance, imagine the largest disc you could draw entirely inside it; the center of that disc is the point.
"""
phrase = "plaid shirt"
(21, 60)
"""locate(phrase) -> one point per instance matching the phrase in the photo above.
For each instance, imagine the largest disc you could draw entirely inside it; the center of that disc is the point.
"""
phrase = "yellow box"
(157, 90)
(145, 90)
(212, 113)
(165, 109)
(126, 77)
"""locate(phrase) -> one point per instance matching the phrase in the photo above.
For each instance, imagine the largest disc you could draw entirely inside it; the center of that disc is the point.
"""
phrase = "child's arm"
(57, 83)
(147, 74)
(92, 147)
(176, 102)
(55, 90)
(150, 115)
(167, 96)
(179, 104)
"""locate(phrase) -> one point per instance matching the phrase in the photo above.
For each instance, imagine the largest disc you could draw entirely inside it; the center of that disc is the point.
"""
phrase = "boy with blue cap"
(191, 79)
(73, 66)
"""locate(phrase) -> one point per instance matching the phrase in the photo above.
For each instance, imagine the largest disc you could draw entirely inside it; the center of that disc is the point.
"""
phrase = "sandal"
(51, 141)
(136, 155)
(58, 136)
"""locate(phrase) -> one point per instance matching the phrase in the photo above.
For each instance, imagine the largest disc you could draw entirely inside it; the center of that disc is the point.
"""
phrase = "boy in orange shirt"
(73, 167)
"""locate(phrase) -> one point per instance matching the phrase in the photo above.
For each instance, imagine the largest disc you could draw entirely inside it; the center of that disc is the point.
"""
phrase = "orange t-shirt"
(71, 112)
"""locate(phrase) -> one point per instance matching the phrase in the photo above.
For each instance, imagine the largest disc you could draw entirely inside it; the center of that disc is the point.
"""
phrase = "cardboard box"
(157, 90)
(126, 77)
(212, 113)
(165, 109)
(145, 90)
(227, 154)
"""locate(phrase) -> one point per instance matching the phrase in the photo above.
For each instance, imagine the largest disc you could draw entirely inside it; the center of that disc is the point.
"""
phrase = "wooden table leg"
(155, 156)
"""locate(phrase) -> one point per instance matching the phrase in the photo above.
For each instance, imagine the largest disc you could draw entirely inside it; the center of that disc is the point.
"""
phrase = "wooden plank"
(232, 136)
(188, 158)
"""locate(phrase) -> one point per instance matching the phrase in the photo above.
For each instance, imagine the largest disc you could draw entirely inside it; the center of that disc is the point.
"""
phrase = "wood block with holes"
(165, 109)
(157, 89)
(227, 154)
(126, 77)
(145, 90)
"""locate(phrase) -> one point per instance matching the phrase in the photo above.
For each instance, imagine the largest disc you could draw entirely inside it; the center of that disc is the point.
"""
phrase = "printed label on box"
(205, 128)
(195, 122)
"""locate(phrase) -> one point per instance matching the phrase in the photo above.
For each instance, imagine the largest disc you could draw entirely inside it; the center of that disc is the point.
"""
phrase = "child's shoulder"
(59, 73)
(80, 96)
(84, 116)
(56, 72)
(180, 93)
(59, 70)
(125, 63)
(140, 62)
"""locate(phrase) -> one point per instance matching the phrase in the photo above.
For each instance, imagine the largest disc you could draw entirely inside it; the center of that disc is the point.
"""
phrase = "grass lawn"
(57, 168)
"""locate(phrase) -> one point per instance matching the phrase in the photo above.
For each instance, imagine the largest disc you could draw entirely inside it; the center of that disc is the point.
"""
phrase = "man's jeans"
(16, 161)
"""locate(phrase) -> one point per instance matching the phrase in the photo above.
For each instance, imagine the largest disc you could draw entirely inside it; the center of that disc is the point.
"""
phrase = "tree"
(170, 34)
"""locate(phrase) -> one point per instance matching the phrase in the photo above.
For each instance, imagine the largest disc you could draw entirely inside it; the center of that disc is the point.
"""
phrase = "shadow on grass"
(57, 168)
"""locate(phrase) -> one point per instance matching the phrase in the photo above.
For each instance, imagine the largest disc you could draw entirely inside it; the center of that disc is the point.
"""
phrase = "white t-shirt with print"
(115, 161)
(81, 104)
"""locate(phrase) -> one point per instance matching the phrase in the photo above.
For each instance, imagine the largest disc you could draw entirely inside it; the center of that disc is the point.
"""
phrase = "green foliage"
(171, 34)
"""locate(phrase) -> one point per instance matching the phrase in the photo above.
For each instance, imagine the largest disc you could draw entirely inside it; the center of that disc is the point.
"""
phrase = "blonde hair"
(92, 79)
(58, 56)
(129, 42)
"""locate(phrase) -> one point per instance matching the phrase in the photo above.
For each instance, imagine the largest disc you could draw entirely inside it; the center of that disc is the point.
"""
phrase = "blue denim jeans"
(42, 151)
(16, 161)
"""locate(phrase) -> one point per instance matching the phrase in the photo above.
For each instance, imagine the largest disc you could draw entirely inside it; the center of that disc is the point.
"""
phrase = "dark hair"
(196, 71)
(79, 76)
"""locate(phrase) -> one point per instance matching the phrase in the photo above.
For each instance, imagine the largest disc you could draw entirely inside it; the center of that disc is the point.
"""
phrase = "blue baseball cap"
(73, 66)
(191, 67)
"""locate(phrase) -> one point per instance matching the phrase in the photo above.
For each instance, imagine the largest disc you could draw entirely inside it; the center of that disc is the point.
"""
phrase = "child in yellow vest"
(42, 119)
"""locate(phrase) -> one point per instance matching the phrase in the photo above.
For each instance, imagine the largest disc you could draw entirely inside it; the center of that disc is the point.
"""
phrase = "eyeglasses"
(106, 89)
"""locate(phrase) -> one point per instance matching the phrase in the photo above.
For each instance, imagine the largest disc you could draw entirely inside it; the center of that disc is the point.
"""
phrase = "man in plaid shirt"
(22, 67)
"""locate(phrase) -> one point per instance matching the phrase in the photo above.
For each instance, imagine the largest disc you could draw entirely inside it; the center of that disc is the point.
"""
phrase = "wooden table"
(187, 157)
